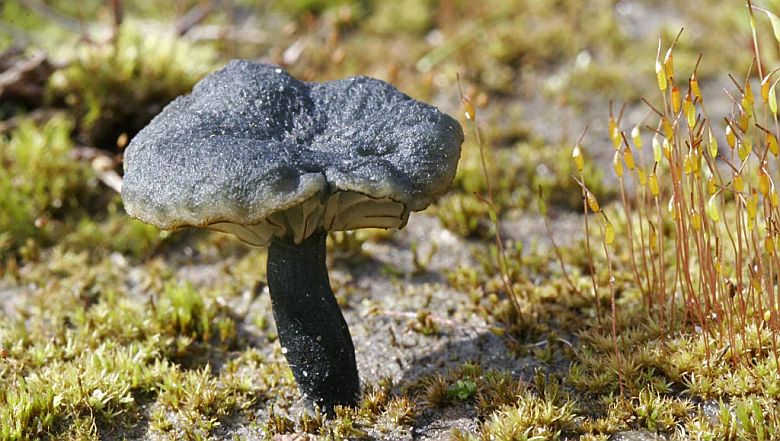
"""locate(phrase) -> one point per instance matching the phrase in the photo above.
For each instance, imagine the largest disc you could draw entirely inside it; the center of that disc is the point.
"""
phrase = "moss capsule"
(667, 150)
(752, 206)
(713, 145)
(629, 158)
(653, 183)
(576, 154)
(592, 202)
(641, 176)
(690, 111)
(609, 233)
(744, 121)
(745, 148)
(763, 182)
(695, 220)
(468, 109)
(657, 152)
(712, 209)
(668, 129)
(771, 142)
(660, 76)
(765, 84)
(617, 164)
(614, 133)
(676, 99)
(636, 136)
(669, 63)
(731, 139)
(739, 184)
(695, 88)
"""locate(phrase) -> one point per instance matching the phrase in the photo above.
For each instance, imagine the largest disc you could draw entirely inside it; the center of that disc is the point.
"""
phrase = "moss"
(531, 418)
(302, 7)
(113, 231)
(198, 400)
(464, 214)
(401, 16)
(181, 310)
(41, 187)
(117, 87)
(22, 24)
(28, 404)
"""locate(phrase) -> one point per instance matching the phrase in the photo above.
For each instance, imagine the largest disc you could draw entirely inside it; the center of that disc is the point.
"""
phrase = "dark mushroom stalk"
(314, 336)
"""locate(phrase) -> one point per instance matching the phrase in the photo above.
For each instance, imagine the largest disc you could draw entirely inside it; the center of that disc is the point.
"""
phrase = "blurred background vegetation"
(539, 72)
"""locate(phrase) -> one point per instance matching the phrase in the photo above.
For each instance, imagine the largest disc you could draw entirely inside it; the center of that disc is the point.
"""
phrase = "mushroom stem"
(313, 333)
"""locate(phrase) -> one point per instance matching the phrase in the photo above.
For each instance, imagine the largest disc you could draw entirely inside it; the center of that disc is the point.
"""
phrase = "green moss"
(95, 351)
(41, 186)
(531, 418)
(114, 231)
(181, 310)
(413, 16)
(117, 87)
(302, 7)
(199, 400)
(464, 214)
(26, 405)
(23, 24)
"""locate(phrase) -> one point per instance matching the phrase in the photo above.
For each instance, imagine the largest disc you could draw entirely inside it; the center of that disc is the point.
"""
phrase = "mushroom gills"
(344, 210)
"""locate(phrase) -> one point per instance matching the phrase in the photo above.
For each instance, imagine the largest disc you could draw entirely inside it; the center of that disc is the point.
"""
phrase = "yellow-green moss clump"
(41, 185)
(116, 87)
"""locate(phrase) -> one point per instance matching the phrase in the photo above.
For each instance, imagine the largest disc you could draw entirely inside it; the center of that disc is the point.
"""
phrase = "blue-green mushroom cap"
(257, 153)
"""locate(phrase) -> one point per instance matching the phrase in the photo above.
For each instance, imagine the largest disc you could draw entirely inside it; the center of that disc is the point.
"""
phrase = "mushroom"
(279, 162)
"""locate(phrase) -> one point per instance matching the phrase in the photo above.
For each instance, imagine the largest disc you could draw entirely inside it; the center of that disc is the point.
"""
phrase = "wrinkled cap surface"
(257, 153)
